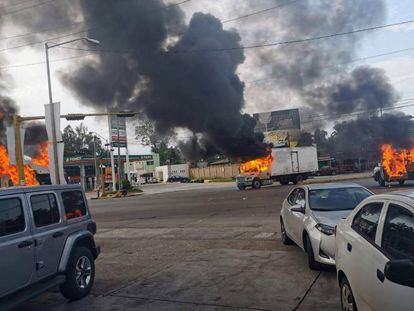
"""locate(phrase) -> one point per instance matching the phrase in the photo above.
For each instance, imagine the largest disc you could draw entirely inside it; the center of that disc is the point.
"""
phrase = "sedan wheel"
(347, 298)
(285, 239)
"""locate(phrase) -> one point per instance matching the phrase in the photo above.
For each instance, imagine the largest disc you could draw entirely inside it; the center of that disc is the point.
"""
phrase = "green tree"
(78, 141)
(148, 135)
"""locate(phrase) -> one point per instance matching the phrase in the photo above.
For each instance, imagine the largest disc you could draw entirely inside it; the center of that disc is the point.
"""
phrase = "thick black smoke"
(323, 65)
(163, 78)
(363, 137)
(364, 89)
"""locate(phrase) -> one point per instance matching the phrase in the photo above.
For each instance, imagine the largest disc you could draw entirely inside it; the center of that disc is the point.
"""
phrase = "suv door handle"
(57, 234)
(25, 243)
(349, 247)
(380, 276)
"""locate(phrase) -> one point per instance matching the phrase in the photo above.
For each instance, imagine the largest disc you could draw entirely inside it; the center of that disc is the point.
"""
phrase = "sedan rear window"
(336, 199)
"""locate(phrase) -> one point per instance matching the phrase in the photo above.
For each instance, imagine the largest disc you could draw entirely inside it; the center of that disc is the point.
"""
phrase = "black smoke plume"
(161, 76)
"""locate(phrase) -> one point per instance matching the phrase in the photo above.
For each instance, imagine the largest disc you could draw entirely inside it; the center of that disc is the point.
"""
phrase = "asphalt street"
(200, 247)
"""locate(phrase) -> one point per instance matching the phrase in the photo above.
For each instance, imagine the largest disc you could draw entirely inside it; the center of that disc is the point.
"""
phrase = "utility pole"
(52, 112)
(18, 150)
(119, 155)
(95, 162)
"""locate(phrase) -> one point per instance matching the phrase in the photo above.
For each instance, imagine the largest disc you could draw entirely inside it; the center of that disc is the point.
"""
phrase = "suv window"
(74, 204)
(11, 216)
(45, 209)
(292, 196)
(398, 233)
(366, 220)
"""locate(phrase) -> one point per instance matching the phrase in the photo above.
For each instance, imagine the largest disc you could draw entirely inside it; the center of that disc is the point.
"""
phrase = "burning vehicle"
(396, 165)
(284, 165)
(35, 169)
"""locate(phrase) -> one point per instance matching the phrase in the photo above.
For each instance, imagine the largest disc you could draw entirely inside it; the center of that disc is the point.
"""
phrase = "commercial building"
(142, 167)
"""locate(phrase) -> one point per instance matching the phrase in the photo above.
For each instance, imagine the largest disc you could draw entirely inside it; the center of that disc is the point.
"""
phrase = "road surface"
(200, 247)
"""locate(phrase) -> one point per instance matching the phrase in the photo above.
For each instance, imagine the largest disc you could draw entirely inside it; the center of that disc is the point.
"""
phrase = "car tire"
(241, 187)
(381, 181)
(256, 184)
(347, 297)
(284, 182)
(285, 239)
(80, 274)
(313, 264)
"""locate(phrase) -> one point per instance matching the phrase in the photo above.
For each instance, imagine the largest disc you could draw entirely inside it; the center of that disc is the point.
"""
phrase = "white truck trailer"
(289, 164)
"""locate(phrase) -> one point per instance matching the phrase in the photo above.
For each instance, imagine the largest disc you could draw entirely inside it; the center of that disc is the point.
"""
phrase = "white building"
(162, 173)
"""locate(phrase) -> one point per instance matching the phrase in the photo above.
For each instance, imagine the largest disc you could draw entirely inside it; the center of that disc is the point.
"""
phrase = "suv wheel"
(80, 274)
(285, 239)
(241, 187)
(313, 264)
(347, 298)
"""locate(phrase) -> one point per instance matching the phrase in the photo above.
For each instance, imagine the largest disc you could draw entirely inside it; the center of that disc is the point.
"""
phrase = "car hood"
(330, 218)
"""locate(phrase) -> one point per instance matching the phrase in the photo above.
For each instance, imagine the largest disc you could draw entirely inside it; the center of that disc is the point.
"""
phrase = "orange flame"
(395, 161)
(257, 165)
(42, 158)
(7, 169)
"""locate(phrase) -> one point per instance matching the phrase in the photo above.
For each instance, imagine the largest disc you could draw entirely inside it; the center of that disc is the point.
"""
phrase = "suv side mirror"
(400, 272)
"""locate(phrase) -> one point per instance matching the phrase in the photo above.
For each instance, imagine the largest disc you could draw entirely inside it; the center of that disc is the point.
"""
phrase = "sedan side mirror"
(299, 208)
(400, 272)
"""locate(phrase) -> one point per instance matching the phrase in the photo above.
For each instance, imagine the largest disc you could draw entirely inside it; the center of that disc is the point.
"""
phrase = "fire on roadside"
(257, 165)
(394, 161)
(10, 170)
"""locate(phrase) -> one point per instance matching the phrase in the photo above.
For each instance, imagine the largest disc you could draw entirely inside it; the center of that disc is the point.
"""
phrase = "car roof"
(402, 194)
(334, 185)
(29, 189)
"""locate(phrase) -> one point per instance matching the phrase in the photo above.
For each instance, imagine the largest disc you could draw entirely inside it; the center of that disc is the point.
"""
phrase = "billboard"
(117, 128)
(280, 127)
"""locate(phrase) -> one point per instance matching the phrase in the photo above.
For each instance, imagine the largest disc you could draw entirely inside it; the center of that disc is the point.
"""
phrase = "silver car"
(46, 239)
(310, 213)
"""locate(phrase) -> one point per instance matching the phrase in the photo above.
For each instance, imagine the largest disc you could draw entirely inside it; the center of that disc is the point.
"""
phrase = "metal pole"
(52, 112)
(112, 154)
(18, 150)
(96, 166)
(119, 155)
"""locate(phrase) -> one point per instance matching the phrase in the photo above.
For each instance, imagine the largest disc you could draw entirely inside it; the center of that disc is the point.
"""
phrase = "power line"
(259, 12)
(40, 31)
(15, 4)
(344, 63)
(27, 8)
(43, 41)
(272, 44)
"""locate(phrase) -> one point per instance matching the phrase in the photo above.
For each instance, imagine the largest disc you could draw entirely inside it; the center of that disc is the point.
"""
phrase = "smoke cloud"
(163, 79)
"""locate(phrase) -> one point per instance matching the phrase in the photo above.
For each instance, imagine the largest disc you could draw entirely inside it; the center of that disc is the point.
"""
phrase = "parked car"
(310, 213)
(46, 240)
(375, 254)
(178, 179)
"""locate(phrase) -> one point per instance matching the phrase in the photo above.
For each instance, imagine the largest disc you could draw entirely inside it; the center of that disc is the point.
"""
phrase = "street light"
(49, 46)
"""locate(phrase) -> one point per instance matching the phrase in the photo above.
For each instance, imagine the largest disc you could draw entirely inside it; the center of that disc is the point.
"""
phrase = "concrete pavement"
(212, 248)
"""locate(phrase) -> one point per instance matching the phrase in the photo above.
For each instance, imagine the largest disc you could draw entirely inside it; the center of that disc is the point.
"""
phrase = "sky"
(27, 81)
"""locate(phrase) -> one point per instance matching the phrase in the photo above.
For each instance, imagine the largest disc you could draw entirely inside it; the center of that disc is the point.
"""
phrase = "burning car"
(396, 165)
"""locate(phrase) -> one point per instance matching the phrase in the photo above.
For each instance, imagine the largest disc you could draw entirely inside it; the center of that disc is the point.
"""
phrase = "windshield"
(337, 198)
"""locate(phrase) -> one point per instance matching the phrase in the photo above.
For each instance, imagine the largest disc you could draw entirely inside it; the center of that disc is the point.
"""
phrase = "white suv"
(375, 254)
(310, 213)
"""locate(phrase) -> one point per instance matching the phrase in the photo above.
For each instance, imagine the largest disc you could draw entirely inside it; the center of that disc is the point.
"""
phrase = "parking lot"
(200, 247)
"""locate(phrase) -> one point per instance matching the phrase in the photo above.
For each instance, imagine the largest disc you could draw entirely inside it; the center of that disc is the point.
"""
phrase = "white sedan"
(310, 213)
(375, 254)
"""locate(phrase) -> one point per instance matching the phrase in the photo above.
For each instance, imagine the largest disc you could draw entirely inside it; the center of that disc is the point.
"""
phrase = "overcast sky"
(27, 85)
